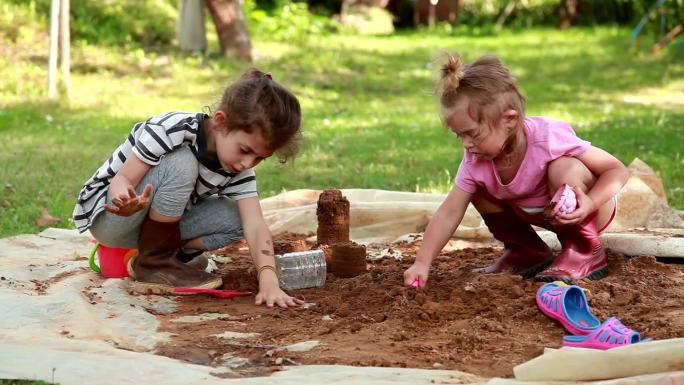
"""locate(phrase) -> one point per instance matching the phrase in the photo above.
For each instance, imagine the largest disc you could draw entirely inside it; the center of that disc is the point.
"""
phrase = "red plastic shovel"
(214, 292)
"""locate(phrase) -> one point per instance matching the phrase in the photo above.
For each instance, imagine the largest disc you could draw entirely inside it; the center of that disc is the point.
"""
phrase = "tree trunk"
(510, 7)
(231, 28)
(568, 13)
(191, 34)
(454, 9)
(65, 46)
(54, 46)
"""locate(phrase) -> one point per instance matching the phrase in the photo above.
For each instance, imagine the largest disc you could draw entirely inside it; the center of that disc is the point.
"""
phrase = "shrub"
(106, 22)
(290, 21)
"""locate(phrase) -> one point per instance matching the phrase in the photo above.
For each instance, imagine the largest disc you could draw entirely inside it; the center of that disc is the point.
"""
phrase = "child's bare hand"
(129, 204)
(585, 206)
(417, 274)
(275, 296)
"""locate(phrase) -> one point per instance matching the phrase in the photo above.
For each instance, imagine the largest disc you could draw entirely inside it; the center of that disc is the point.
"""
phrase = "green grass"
(24, 382)
(370, 117)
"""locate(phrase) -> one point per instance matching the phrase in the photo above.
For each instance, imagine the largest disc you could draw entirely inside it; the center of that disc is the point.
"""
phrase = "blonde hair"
(486, 82)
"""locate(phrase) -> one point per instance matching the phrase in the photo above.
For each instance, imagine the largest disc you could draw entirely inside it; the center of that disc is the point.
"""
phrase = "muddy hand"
(276, 297)
(127, 205)
(416, 275)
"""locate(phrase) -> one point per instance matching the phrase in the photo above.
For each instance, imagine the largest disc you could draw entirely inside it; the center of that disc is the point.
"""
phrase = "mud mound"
(480, 324)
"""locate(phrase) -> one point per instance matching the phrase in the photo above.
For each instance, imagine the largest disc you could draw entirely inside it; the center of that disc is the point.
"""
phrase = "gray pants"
(216, 220)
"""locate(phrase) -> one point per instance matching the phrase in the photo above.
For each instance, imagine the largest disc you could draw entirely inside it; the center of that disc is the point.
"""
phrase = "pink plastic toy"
(566, 200)
(214, 292)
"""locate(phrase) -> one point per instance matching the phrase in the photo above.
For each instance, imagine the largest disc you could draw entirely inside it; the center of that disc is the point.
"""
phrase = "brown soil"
(282, 246)
(348, 259)
(332, 212)
(482, 324)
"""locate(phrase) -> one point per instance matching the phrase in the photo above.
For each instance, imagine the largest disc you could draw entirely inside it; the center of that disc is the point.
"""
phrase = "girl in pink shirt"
(512, 166)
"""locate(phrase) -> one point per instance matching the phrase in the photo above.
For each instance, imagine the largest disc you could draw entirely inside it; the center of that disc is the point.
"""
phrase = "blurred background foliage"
(152, 23)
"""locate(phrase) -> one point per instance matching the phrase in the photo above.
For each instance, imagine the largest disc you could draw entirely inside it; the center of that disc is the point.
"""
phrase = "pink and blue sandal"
(569, 306)
(611, 334)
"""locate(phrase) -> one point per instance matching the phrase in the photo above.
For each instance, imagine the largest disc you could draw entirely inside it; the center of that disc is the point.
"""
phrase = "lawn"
(370, 117)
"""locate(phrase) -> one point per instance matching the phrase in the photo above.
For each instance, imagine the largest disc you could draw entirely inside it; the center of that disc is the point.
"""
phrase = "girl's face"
(484, 140)
(239, 150)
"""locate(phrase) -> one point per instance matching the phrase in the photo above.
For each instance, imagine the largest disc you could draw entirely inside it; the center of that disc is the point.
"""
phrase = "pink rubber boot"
(524, 252)
(583, 255)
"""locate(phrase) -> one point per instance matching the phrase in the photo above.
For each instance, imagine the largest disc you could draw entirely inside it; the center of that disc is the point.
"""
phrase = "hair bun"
(452, 72)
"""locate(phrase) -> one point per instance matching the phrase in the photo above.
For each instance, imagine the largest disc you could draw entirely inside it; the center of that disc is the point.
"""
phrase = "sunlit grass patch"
(370, 116)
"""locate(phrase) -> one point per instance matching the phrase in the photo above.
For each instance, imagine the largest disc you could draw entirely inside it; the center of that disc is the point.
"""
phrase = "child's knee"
(570, 170)
(173, 181)
(180, 166)
(216, 220)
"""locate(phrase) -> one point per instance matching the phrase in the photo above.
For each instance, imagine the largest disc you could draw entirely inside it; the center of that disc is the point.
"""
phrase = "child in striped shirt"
(186, 181)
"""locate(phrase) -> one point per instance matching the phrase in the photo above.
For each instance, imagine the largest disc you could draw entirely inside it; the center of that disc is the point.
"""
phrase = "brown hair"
(257, 102)
(488, 84)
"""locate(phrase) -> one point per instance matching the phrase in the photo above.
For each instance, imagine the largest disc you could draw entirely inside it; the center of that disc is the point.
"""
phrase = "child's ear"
(510, 118)
(220, 119)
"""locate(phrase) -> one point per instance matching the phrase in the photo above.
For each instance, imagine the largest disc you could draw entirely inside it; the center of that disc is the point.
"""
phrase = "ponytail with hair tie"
(452, 72)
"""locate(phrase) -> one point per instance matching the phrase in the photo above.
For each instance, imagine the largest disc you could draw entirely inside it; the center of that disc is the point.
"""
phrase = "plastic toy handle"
(91, 259)
(214, 292)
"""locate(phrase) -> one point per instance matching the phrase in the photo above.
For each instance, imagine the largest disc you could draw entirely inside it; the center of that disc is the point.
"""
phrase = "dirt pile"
(348, 259)
(482, 324)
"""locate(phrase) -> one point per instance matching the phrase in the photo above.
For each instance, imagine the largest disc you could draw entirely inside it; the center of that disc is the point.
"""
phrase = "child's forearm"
(119, 185)
(261, 249)
(607, 185)
(442, 225)
(131, 174)
(437, 234)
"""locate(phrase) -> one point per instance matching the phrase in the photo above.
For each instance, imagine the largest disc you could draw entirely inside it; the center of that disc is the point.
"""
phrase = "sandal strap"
(614, 332)
(577, 318)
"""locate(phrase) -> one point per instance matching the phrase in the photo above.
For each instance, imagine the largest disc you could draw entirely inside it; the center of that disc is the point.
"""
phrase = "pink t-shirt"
(547, 140)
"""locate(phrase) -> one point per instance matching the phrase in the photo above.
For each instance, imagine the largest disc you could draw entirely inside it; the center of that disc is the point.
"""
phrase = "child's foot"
(156, 268)
(583, 255)
(194, 258)
(200, 262)
(166, 282)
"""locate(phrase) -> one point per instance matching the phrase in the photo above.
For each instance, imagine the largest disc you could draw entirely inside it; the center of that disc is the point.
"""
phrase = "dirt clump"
(348, 259)
(332, 213)
(289, 246)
